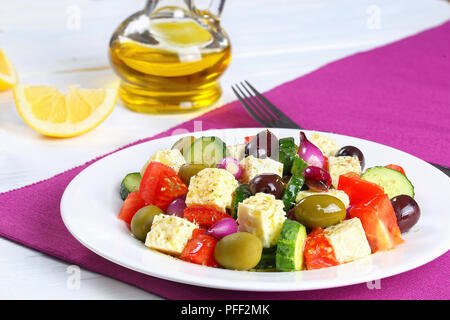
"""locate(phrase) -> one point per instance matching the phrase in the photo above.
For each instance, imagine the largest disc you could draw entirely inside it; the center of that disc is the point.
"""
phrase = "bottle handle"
(216, 7)
(150, 5)
(211, 8)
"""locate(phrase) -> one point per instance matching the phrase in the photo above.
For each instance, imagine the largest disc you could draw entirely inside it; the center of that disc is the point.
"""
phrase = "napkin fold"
(398, 95)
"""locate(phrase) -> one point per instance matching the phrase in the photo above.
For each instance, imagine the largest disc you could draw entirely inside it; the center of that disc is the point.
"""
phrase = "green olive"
(142, 221)
(189, 170)
(238, 251)
(319, 211)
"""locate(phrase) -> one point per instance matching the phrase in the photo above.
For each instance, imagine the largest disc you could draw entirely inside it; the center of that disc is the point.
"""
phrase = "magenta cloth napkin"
(398, 95)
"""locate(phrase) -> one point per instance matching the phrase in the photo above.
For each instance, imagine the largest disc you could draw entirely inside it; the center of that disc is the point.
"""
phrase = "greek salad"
(267, 204)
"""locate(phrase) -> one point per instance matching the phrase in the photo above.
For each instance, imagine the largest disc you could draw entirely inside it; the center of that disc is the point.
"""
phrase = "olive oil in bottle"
(169, 58)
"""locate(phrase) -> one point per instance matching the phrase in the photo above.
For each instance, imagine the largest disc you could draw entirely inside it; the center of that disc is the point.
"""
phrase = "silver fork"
(269, 116)
(261, 109)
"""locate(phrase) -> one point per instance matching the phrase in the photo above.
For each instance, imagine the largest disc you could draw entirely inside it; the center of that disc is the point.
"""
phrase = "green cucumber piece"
(291, 191)
(267, 262)
(289, 256)
(287, 153)
(242, 192)
(206, 150)
(298, 164)
(129, 184)
(183, 144)
(393, 182)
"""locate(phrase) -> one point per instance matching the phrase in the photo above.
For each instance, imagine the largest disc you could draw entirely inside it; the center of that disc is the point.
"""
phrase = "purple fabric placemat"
(398, 95)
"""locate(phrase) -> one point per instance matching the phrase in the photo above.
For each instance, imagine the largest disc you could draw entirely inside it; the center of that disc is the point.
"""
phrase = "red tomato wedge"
(318, 251)
(247, 139)
(325, 163)
(129, 207)
(160, 185)
(200, 249)
(379, 223)
(204, 216)
(396, 167)
(358, 190)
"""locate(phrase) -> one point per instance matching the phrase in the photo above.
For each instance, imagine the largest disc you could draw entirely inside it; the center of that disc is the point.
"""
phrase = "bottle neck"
(213, 7)
(151, 5)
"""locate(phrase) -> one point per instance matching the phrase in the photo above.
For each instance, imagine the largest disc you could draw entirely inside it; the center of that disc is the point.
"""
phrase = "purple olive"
(352, 151)
(267, 183)
(407, 211)
(317, 178)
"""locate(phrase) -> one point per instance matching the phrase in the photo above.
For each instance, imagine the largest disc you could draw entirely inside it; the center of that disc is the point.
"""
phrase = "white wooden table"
(65, 42)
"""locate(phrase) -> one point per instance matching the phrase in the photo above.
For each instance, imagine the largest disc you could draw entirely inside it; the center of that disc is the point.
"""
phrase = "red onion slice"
(317, 178)
(177, 206)
(232, 165)
(309, 152)
(223, 228)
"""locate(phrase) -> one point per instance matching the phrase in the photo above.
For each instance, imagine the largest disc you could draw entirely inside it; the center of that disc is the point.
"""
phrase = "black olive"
(267, 183)
(352, 151)
(407, 211)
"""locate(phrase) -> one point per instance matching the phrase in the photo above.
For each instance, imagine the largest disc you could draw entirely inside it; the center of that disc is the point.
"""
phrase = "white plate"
(91, 202)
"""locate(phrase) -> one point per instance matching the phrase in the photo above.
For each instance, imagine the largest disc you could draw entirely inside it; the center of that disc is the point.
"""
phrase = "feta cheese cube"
(327, 145)
(169, 234)
(212, 187)
(263, 216)
(172, 158)
(340, 165)
(251, 167)
(237, 151)
(348, 240)
(341, 195)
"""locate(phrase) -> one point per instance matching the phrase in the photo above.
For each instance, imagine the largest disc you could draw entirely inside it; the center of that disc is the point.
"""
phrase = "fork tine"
(250, 100)
(283, 120)
(269, 115)
(267, 103)
(255, 116)
(266, 114)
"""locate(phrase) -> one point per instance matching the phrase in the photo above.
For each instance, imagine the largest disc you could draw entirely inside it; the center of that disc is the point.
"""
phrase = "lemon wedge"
(51, 113)
(8, 76)
(181, 33)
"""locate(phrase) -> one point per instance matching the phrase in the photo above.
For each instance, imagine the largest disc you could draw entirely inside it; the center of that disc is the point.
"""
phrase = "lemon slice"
(8, 76)
(181, 33)
(51, 113)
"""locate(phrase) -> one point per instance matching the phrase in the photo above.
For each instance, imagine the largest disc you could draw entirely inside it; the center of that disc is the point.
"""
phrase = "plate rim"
(197, 280)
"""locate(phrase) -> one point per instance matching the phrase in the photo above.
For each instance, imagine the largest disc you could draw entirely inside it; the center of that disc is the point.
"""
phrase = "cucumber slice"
(242, 192)
(184, 144)
(206, 150)
(393, 182)
(287, 154)
(267, 262)
(291, 191)
(129, 184)
(289, 256)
